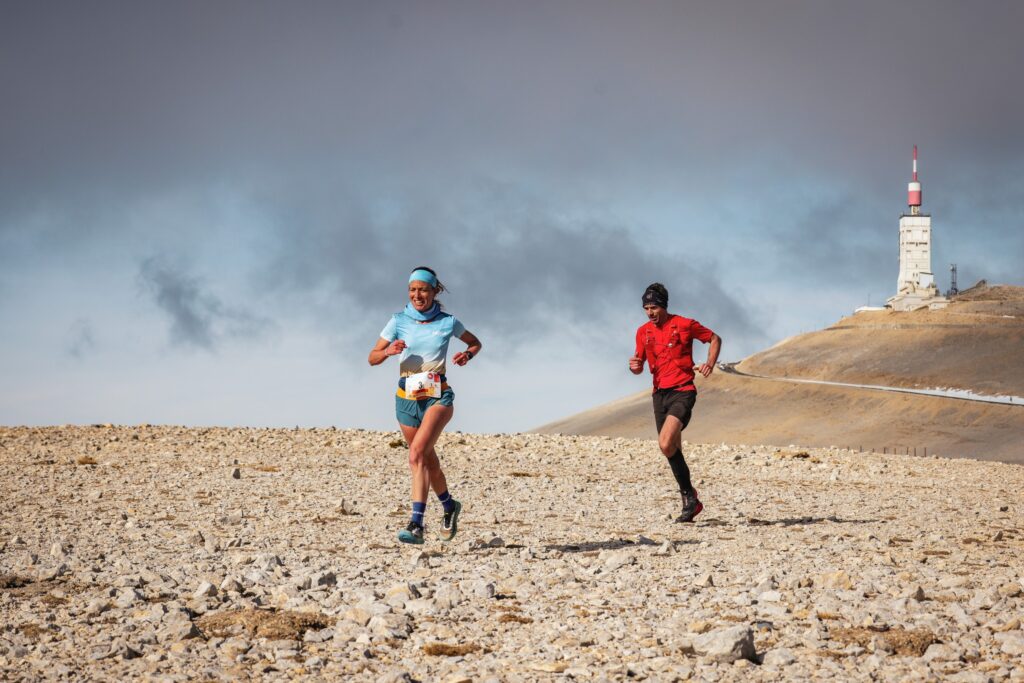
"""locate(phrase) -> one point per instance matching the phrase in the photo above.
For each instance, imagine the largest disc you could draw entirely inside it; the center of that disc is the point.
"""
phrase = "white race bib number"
(423, 385)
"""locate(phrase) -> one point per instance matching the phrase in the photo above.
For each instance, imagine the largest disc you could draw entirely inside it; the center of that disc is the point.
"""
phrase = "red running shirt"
(668, 350)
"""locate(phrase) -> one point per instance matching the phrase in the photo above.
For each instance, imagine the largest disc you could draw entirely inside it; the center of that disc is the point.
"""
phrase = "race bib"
(423, 385)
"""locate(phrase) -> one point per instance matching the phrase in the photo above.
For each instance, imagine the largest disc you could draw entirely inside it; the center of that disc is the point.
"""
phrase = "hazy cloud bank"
(80, 339)
(197, 317)
(516, 266)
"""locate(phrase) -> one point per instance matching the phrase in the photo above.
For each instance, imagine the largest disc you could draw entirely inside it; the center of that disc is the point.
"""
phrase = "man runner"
(666, 343)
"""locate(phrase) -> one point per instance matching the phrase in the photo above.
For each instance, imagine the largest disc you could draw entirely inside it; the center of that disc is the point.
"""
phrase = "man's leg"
(670, 442)
(678, 409)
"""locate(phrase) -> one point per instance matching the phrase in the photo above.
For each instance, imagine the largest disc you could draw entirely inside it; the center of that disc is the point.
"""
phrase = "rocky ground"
(171, 553)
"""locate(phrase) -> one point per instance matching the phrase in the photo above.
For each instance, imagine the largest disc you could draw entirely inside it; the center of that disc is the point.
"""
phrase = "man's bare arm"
(716, 346)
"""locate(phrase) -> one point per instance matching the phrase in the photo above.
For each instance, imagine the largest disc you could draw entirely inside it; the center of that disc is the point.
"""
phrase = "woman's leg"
(436, 476)
(423, 461)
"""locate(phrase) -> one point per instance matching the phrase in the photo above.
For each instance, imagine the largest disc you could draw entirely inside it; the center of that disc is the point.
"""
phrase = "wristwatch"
(469, 355)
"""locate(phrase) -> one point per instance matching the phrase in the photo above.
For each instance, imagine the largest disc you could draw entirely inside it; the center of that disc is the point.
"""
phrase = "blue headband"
(424, 276)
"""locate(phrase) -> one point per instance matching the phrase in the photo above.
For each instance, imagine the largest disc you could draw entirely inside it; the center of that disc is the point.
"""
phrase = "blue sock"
(446, 500)
(417, 512)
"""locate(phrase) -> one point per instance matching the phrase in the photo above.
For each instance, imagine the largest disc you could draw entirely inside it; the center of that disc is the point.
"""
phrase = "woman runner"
(666, 343)
(424, 403)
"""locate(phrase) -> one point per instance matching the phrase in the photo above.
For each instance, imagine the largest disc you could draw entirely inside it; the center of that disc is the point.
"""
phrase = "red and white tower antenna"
(914, 190)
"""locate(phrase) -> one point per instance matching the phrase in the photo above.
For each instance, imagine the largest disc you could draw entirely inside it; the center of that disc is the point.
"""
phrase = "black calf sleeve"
(681, 472)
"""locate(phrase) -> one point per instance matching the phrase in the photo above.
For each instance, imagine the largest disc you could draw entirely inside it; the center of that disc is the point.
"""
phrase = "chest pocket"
(678, 348)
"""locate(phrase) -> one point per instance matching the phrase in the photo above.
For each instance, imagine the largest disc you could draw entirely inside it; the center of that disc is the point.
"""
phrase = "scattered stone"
(96, 607)
(205, 590)
(358, 615)
(231, 584)
(324, 578)
(1010, 590)
(52, 573)
(699, 626)
(1011, 643)
(1012, 625)
(236, 473)
(726, 645)
(778, 657)
(940, 652)
(127, 597)
(836, 580)
(318, 636)
(484, 589)
(268, 562)
(177, 630)
(616, 560)
(395, 676)
(234, 646)
(704, 581)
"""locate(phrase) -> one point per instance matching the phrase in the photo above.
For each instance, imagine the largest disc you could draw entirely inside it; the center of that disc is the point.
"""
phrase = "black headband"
(653, 296)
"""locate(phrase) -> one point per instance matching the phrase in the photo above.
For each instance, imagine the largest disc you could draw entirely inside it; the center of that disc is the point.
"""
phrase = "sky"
(208, 211)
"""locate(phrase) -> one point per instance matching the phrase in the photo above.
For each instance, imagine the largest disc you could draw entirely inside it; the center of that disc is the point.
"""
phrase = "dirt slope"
(976, 344)
(967, 346)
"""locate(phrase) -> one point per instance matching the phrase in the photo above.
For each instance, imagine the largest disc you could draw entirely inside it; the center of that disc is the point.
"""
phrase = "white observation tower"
(916, 287)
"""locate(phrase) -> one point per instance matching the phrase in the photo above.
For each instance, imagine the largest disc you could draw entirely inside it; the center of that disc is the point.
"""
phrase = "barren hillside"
(977, 344)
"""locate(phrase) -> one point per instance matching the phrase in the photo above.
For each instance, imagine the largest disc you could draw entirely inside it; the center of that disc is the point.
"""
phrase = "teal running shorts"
(410, 412)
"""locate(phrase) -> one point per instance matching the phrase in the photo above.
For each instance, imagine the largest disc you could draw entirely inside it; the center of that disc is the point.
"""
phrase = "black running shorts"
(671, 402)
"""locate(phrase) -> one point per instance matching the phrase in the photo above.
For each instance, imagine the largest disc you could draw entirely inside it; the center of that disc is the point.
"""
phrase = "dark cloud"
(110, 103)
(197, 317)
(113, 98)
(718, 105)
(514, 265)
(845, 239)
(80, 339)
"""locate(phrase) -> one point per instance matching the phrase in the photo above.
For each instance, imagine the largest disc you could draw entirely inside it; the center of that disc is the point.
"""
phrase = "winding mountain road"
(957, 394)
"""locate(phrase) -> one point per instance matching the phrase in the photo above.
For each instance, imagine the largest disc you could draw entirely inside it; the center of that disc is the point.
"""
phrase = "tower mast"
(914, 190)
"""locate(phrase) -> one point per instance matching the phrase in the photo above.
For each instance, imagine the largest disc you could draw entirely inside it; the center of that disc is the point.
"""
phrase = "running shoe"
(691, 507)
(411, 534)
(450, 523)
